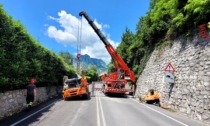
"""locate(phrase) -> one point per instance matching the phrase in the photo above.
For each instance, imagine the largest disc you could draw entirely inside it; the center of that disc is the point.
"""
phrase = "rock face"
(190, 93)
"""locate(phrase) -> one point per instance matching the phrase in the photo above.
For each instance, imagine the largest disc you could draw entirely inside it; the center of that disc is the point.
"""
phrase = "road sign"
(169, 77)
(169, 68)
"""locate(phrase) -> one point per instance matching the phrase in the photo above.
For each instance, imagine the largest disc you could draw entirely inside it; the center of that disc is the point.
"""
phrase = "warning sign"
(169, 68)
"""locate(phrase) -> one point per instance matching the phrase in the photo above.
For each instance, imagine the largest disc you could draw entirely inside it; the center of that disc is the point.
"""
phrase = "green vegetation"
(90, 71)
(111, 67)
(87, 62)
(22, 58)
(91, 74)
(68, 58)
(165, 21)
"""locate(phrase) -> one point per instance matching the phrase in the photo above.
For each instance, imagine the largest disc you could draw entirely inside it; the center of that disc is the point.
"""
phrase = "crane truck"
(116, 81)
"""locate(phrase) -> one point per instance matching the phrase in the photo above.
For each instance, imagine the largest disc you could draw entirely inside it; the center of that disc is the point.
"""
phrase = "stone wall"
(190, 93)
(15, 101)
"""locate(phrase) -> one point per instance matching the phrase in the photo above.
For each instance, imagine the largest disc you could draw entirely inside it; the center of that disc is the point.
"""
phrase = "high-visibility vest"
(84, 82)
(103, 77)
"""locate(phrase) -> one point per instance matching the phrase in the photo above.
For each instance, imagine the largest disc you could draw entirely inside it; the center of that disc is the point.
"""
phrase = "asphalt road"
(100, 110)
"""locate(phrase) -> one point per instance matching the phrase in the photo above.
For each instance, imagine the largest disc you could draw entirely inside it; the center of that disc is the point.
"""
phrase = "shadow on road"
(27, 117)
(117, 95)
(79, 98)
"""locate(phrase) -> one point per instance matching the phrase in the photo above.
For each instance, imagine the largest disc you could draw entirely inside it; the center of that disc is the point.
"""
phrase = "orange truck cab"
(75, 87)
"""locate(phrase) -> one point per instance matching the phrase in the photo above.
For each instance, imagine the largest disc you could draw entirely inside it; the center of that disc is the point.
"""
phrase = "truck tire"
(85, 96)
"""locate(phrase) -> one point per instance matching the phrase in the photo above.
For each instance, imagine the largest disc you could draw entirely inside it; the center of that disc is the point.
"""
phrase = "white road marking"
(102, 112)
(100, 108)
(97, 112)
(32, 114)
(162, 114)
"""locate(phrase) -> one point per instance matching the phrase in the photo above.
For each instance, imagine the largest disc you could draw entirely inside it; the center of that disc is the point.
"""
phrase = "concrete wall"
(15, 101)
(190, 93)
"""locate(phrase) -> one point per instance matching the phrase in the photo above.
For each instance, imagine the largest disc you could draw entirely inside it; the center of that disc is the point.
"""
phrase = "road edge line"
(162, 114)
(102, 112)
(32, 114)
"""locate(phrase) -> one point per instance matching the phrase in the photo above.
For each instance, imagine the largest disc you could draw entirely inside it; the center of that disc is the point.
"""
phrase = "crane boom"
(119, 63)
(98, 32)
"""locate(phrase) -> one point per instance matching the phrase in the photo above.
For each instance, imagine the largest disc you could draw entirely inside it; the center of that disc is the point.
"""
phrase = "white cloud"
(67, 34)
(106, 26)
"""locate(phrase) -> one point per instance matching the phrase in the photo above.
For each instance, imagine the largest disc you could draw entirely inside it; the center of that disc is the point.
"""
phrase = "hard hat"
(32, 81)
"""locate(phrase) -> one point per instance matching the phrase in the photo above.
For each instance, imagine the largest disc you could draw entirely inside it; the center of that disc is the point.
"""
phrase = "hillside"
(87, 62)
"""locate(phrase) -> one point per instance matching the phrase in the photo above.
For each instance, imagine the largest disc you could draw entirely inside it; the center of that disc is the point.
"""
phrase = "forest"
(165, 21)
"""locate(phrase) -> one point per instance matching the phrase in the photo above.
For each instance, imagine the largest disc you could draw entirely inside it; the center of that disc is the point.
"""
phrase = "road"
(100, 110)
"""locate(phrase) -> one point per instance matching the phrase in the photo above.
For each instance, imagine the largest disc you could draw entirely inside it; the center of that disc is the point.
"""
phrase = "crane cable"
(80, 34)
(78, 37)
(79, 41)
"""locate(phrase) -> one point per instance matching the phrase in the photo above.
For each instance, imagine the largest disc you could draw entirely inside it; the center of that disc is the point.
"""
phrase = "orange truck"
(75, 87)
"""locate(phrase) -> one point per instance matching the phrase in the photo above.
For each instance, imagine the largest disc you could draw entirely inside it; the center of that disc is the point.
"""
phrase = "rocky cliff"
(190, 93)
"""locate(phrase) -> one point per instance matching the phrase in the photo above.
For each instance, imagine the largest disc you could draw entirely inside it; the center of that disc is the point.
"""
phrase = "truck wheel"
(85, 96)
(107, 94)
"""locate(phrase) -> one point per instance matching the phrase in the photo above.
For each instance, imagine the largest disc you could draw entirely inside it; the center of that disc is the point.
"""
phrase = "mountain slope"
(87, 62)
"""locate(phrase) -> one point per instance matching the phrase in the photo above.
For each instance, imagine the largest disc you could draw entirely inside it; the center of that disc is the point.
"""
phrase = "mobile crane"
(116, 81)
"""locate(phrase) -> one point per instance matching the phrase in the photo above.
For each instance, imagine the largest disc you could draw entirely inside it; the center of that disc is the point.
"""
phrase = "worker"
(30, 92)
(152, 97)
(84, 80)
(103, 77)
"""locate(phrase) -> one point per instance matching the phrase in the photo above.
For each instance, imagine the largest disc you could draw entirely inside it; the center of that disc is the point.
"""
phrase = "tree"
(111, 67)
(122, 49)
(68, 58)
(91, 74)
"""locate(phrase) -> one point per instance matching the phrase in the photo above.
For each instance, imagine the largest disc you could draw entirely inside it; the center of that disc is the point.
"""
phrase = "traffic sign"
(169, 77)
(169, 68)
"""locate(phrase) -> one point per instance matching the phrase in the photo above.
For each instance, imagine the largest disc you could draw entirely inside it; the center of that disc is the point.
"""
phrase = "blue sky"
(54, 23)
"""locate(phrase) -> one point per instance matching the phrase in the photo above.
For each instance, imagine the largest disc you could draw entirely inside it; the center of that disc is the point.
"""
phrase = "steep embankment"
(190, 93)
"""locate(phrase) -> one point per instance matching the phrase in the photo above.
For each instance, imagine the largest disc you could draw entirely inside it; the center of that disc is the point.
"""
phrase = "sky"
(56, 24)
